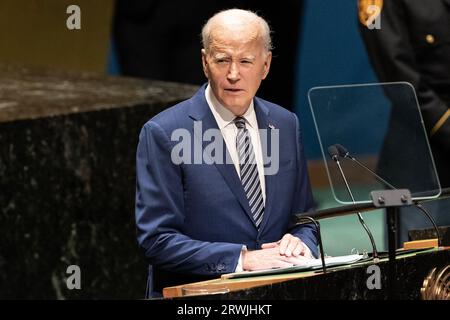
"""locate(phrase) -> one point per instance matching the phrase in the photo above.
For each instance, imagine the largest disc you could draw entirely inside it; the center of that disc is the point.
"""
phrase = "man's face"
(235, 65)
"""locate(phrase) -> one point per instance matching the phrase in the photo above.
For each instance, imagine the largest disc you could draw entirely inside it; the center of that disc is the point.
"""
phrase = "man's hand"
(269, 258)
(290, 246)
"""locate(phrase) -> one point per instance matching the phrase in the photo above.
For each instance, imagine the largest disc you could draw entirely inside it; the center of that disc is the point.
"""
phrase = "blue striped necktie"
(249, 171)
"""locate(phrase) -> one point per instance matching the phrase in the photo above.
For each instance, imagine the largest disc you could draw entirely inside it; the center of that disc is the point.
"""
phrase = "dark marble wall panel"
(67, 187)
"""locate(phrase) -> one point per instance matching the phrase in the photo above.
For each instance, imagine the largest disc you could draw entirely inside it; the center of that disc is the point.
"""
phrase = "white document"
(335, 261)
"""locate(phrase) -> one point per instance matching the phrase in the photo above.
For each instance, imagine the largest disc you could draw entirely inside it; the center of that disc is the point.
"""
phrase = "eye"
(221, 61)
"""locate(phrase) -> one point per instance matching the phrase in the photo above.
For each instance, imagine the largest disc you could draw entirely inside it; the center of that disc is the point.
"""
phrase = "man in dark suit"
(412, 44)
(201, 212)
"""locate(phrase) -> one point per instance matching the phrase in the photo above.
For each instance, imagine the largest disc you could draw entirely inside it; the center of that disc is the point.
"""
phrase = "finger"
(299, 250)
(307, 252)
(266, 259)
(284, 243)
(283, 264)
(270, 245)
(293, 243)
(261, 259)
(298, 261)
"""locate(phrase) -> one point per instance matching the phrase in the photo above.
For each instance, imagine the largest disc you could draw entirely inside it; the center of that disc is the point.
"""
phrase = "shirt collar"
(223, 116)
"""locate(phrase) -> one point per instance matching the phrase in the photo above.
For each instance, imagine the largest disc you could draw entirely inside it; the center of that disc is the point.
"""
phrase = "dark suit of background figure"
(161, 40)
(193, 219)
(413, 45)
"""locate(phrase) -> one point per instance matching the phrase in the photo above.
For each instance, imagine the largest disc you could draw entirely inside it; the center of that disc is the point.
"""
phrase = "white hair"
(244, 15)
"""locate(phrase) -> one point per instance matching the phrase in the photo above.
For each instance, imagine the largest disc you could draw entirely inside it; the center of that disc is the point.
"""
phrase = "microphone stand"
(392, 200)
(361, 220)
(319, 237)
(348, 156)
(343, 152)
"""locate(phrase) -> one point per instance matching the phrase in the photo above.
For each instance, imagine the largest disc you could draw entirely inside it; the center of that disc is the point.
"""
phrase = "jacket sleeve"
(303, 195)
(160, 214)
(393, 57)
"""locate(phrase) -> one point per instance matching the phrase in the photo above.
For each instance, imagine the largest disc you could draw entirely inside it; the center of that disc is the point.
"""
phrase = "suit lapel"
(200, 111)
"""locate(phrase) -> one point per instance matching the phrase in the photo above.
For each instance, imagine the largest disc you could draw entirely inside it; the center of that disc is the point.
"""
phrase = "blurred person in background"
(412, 44)
(155, 39)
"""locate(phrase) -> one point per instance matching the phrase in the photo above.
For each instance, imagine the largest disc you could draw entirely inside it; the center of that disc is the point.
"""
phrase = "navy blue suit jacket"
(192, 219)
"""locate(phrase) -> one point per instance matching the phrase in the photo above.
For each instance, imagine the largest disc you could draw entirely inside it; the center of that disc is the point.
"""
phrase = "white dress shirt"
(224, 119)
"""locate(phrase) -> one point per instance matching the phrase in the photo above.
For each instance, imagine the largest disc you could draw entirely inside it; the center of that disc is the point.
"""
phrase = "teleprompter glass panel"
(377, 126)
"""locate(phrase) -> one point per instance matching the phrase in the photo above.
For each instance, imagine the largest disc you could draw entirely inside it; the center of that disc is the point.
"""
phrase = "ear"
(267, 62)
(205, 63)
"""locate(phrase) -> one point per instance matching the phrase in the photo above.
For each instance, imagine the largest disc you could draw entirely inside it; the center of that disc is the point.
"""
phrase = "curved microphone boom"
(344, 153)
(334, 154)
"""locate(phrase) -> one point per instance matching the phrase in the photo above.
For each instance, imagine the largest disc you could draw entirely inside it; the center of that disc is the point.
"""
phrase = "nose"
(233, 73)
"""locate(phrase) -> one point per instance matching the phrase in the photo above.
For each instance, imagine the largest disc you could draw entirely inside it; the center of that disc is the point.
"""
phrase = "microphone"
(333, 151)
(343, 152)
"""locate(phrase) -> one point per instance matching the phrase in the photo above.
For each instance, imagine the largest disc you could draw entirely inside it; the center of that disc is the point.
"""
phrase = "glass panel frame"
(395, 144)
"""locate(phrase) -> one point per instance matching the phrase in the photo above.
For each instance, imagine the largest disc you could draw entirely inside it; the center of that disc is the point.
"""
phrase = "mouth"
(233, 90)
